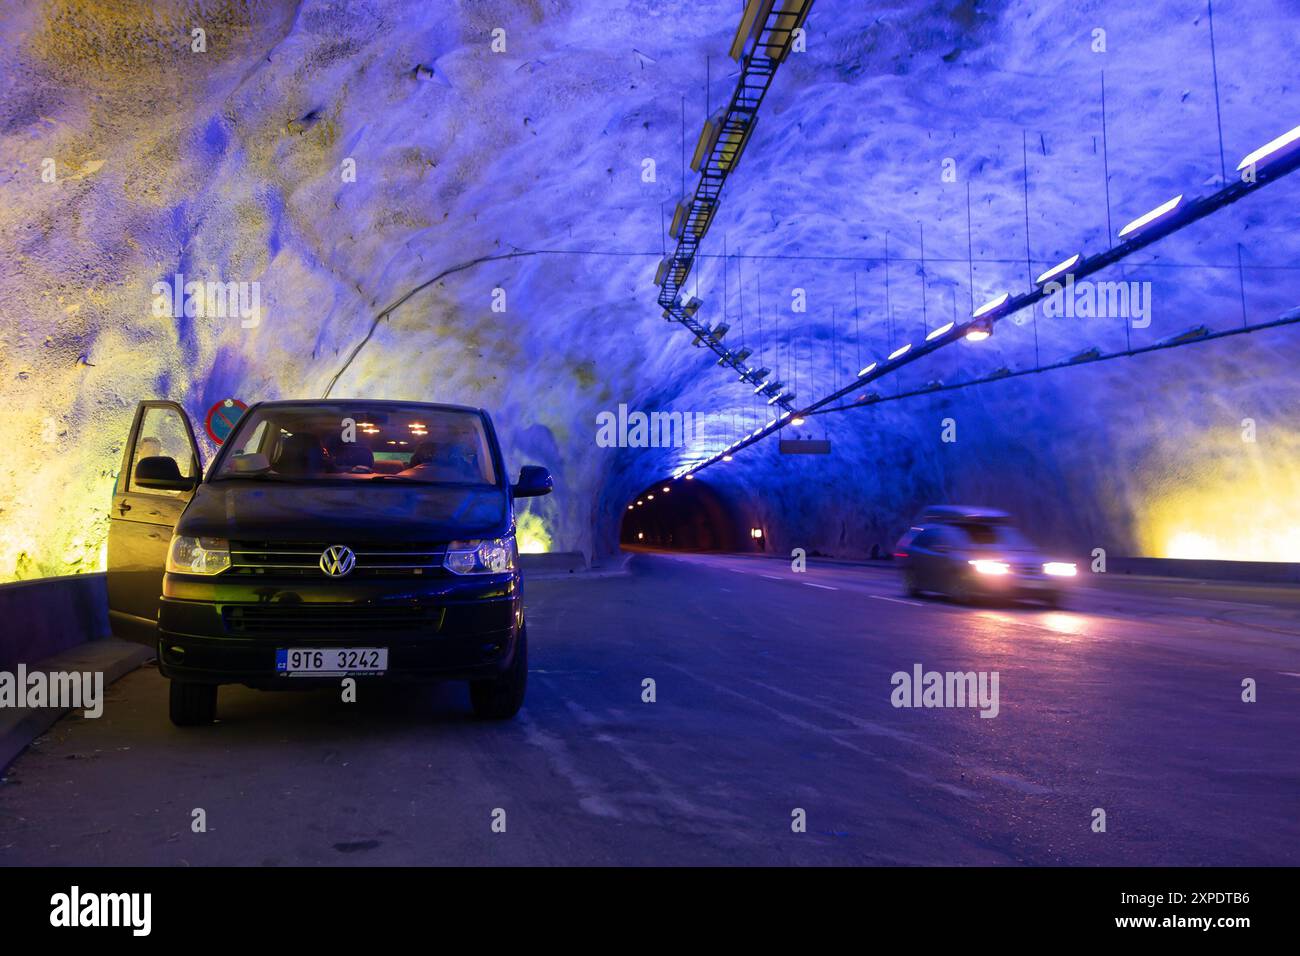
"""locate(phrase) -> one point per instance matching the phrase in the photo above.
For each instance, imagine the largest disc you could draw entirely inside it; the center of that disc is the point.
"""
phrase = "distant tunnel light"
(868, 370)
(1057, 269)
(756, 533)
(667, 489)
(899, 352)
(689, 476)
(990, 305)
(1149, 217)
(941, 330)
(640, 535)
(1272, 149)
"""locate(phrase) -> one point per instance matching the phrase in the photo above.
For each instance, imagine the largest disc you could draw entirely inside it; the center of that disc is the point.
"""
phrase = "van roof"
(443, 406)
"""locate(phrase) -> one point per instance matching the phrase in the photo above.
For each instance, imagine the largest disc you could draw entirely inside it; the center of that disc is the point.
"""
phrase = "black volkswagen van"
(327, 540)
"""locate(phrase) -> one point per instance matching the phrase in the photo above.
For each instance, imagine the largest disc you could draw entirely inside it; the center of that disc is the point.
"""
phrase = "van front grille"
(323, 619)
(302, 559)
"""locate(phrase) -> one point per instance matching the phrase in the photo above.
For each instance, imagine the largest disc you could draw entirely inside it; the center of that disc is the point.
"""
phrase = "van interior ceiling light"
(991, 305)
(1164, 209)
(868, 370)
(1273, 149)
(1057, 269)
(941, 330)
(899, 352)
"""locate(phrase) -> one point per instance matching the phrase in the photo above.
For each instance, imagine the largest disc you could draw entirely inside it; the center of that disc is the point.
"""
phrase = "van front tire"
(500, 698)
(192, 705)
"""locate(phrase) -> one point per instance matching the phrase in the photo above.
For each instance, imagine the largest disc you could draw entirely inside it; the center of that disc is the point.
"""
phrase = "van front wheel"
(192, 705)
(500, 698)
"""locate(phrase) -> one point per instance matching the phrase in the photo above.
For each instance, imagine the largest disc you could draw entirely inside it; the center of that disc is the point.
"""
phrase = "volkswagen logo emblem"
(338, 560)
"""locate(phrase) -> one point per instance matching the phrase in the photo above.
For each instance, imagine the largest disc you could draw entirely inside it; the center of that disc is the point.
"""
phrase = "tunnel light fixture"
(756, 533)
(979, 330)
(630, 507)
(639, 503)
(796, 421)
(667, 489)
(649, 497)
(941, 330)
(690, 476)
(868, 370)
(899, 352)
(991, 305)
(726, 458)
(1191, 335)
(1057, 269)
(1164, 209)
(1273, 149)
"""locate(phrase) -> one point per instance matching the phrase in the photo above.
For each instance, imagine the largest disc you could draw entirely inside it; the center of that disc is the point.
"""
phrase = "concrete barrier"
(44, 617)
(1262, 572)
(553, 562)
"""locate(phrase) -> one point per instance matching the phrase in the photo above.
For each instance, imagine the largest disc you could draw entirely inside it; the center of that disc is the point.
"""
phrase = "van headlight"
(188, 555)
(491, 556)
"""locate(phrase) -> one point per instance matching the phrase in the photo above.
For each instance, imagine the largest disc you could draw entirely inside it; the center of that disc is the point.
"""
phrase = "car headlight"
(985, 566)
(188, 555)
(490, 556)
(1060, 569)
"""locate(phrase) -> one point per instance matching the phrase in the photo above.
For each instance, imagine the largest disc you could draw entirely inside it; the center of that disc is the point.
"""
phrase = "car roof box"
(959, 513)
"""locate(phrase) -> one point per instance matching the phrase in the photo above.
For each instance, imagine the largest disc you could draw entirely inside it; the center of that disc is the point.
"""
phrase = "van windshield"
(350, 442)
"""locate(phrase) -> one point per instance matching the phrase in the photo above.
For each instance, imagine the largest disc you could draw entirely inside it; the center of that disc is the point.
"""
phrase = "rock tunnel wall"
(480, 179)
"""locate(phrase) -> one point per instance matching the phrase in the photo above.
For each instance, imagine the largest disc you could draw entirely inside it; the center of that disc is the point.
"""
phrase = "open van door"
(160, 471)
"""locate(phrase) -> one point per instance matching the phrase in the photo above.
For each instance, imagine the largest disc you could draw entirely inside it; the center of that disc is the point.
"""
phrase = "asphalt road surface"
(772, 695)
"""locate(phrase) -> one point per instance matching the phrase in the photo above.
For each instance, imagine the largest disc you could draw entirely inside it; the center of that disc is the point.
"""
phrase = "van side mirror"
(534, 481)
(162, 473)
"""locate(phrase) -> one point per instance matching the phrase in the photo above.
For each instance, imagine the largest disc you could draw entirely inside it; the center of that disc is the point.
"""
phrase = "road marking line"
(772, 577)
(881, 597)
(824, 587)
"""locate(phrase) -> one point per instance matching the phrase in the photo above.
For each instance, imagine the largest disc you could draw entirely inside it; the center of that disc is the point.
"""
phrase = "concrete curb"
(19, 726)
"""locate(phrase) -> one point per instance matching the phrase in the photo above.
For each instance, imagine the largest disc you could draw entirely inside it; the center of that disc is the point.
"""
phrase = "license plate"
(330, 661)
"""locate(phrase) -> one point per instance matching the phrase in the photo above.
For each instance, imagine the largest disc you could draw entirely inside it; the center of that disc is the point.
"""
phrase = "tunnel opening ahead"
(687, 515)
